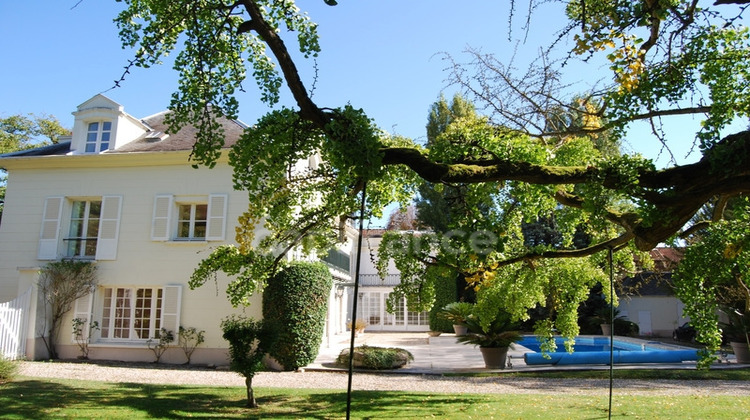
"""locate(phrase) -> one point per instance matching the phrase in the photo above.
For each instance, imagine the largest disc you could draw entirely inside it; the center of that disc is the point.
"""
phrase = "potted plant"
(457, 312)
(737, 332)
(359, 326)
(493, 341)
(603, 317)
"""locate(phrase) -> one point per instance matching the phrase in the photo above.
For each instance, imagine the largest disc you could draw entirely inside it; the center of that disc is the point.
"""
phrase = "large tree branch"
(676, 194)
(308, 109)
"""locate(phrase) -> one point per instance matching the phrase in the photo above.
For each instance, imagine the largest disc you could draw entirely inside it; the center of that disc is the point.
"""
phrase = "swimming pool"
(592, 350)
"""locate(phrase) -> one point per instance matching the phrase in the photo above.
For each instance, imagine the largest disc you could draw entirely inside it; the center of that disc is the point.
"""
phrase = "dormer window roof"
(102, 125)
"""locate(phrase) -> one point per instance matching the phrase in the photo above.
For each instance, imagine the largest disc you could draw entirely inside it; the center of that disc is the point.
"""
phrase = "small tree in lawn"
(249, 340)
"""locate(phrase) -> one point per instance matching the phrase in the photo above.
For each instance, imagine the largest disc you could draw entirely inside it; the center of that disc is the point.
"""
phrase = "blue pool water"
(595, 350)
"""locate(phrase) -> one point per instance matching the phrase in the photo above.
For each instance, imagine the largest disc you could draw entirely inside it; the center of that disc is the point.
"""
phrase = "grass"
(31, 398)
(645, 374)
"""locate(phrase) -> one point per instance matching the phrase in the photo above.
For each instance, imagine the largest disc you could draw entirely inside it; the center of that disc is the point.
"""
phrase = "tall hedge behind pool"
(296, 302)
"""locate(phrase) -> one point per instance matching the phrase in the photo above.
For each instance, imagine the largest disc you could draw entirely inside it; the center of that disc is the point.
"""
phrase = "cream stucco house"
(122, 193)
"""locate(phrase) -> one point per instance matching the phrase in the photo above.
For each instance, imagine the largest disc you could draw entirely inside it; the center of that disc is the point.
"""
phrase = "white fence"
(14, 318)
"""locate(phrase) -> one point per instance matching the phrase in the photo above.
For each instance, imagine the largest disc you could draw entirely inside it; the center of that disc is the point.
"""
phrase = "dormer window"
(98, 136)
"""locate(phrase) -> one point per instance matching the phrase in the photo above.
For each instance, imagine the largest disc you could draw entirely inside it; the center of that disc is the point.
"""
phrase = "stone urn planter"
(494, 357)
(606, 329)
(741, 351)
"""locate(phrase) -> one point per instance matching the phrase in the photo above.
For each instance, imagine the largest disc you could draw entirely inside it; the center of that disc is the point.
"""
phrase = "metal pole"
(611, 330)
(354, 305)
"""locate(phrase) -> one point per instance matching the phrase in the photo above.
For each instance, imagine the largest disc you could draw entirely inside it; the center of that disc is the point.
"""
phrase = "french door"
(371, 307)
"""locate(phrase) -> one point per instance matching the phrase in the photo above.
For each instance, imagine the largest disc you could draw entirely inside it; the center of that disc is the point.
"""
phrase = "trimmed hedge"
(445, 293)
(296, 301)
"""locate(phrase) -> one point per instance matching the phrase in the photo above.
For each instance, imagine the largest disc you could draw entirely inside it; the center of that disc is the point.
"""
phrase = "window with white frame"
(191, 221)
(84, 229)
(98, 136)
(93, 225)
(189, 218)
(138, 313)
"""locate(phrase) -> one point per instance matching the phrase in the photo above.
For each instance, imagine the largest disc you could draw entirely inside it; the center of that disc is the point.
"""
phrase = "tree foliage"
(715, 275)
(19, 132)
(536, 150)
(249, 341)
(60, 284)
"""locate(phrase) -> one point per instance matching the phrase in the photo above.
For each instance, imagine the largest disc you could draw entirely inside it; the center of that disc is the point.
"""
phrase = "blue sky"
(379, 55)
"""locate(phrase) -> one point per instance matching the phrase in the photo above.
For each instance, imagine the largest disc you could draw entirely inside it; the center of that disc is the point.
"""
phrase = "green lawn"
(32, 398)
(645, 374)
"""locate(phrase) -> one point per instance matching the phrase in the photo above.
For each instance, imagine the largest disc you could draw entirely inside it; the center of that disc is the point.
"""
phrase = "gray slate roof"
(160, 140)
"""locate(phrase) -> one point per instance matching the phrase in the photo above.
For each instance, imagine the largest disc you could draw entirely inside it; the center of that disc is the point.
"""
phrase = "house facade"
(122, 193)
(648, 298)
(374, 291)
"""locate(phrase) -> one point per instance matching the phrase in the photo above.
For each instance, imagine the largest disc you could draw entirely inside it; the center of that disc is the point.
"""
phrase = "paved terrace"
(442, 354)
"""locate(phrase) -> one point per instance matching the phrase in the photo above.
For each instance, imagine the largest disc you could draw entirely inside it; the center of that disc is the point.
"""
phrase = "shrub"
(456, 312)
(379, 358)
(445, 293)
(60, 284)
(296, 301)
(8, 370)
(164, 337)
(626, 328)
(360, 325)
(83, 337)
(188, 339)
(249, 341)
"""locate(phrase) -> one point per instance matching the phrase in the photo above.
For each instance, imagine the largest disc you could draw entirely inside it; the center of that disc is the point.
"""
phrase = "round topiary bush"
(295, 302)
(370, 357)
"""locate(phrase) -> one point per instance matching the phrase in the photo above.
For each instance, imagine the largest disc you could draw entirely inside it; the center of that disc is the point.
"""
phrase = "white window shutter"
(170, 311)
(50, 231)
(161, 222)
(109, 227)
(217, 216)
(82, 309)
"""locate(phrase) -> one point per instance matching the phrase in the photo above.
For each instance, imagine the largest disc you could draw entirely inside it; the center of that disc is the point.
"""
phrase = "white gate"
(14, 318)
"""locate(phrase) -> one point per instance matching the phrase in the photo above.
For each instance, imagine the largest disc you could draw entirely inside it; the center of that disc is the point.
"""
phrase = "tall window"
(84, 229)
(191, 223)
(98, 136)
(132, 313)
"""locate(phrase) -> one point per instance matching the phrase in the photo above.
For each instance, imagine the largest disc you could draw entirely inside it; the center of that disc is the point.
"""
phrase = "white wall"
(665, 313)
(140, 261)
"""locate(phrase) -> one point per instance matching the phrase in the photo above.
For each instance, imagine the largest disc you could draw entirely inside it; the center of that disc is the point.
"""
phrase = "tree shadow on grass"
(34, 399)
(367, 405)
(40, 400)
